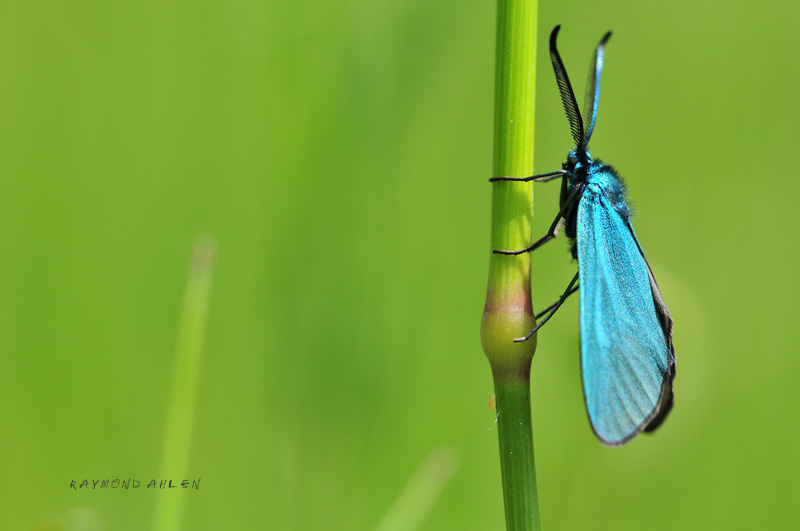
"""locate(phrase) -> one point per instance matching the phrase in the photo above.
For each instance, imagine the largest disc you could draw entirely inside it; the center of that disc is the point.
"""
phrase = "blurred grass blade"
(185, 378)
(419, 495)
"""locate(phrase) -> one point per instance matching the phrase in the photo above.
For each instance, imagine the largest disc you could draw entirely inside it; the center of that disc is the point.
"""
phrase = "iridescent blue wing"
(626, 347)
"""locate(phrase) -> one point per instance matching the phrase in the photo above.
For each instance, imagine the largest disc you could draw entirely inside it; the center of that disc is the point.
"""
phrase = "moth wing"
(626, 353)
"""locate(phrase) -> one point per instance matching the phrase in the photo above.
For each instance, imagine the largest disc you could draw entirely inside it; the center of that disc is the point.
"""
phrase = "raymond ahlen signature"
(130, 483)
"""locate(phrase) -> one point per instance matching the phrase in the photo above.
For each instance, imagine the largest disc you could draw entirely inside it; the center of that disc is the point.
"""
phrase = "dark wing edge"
(666, 399)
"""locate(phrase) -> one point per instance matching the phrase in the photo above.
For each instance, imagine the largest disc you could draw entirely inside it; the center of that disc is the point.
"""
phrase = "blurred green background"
(339, 153)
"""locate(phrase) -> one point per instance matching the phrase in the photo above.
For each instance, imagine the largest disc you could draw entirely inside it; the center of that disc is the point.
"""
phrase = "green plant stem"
(516, 454)
(185, 380)
(508, 312)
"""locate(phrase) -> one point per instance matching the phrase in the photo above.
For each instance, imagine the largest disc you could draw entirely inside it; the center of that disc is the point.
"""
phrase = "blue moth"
(627, 356)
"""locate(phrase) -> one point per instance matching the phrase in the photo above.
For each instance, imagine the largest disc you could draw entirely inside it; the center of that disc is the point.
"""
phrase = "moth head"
(577, 161)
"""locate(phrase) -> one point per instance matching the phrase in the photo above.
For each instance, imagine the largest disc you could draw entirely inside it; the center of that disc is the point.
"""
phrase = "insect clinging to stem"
(627, 355)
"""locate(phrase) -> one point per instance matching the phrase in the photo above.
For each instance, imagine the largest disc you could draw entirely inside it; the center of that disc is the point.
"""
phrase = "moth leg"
(557, 303)
(542, 177)
(551, 233)
(554, 227)
(552, 310)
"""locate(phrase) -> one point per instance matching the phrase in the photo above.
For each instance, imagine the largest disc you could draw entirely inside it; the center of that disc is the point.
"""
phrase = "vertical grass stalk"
(418, 497)
(185, 378)
(508, 312)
